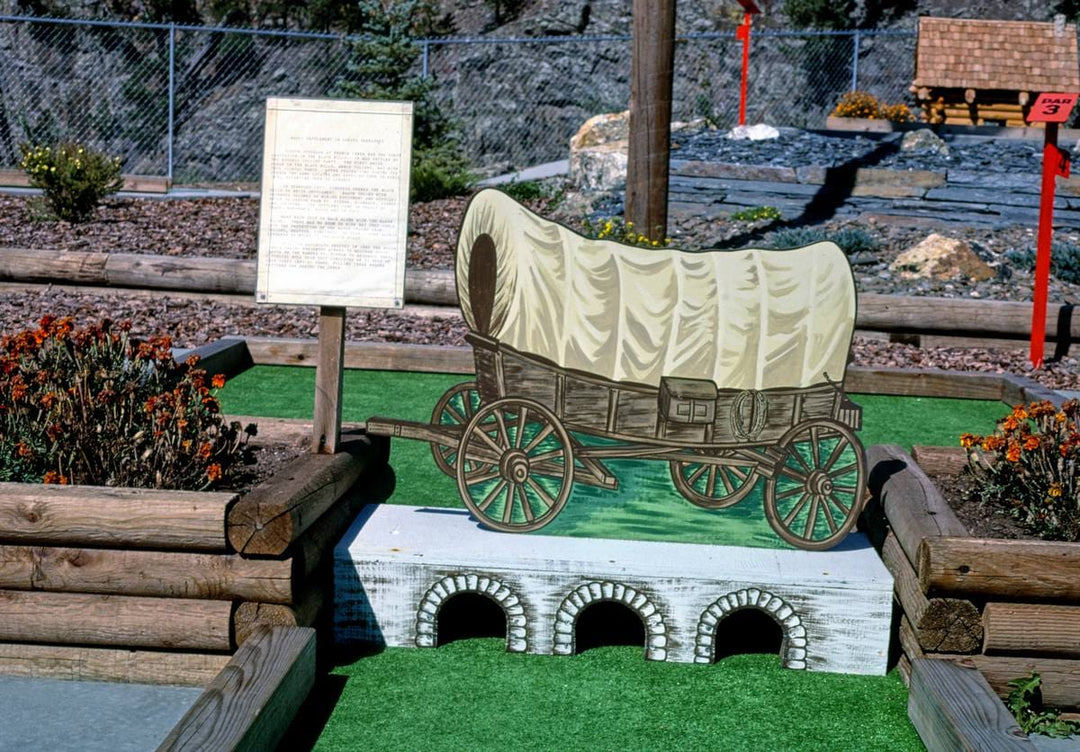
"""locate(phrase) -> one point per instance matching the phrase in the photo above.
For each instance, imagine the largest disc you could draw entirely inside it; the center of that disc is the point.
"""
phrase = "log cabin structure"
(986, 72)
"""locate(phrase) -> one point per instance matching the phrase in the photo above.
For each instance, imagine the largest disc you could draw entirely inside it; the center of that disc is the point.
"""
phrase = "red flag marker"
(743, 34)
(1051, 109)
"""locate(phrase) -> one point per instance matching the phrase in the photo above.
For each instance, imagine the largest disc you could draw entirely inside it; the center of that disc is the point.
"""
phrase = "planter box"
(106, 583)
(869, 125)
(1004, 607)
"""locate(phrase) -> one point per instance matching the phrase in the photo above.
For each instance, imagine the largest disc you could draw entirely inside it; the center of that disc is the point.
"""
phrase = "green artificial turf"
(646, 506)
(471, 695)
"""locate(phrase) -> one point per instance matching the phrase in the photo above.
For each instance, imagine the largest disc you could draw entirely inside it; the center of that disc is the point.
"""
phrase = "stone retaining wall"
(964, 197)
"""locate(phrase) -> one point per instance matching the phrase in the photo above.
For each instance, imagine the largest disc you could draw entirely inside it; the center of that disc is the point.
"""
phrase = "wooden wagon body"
(721, 420)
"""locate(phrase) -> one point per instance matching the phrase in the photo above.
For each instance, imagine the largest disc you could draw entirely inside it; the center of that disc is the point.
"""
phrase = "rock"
(938, 257)
(759, 132)
(598, 152)
(602, 129)
(924, 141)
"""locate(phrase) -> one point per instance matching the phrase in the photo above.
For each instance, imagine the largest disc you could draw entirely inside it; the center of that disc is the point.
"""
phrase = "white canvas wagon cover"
(747, 319)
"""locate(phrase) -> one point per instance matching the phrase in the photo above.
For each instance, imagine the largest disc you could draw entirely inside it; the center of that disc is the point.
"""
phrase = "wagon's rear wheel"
(455, 408)
(515, 465)
(714, 486)
(815, 495)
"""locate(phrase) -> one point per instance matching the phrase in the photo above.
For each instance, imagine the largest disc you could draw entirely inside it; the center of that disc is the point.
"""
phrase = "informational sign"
(1052, 108)
(333, 217)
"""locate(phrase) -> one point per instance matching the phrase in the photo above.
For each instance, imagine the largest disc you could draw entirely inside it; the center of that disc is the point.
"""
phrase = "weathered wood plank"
(202, 273)
(250, 704)
(1060, 677)
(149, 573)
(329, 379)
(376, 356)
(1018, 628)
(953, 708)
(132, 183)
(938, 460)
(1000, 569)
(113, 517)
(923, 383)
(273, 515)
(228, 356)
(945, 625)
(911, 502)
(40, 265)
(995, 318)
(115, 620)
(83, 663)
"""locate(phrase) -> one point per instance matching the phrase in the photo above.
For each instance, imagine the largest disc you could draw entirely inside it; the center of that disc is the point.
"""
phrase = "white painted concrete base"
(397, 565)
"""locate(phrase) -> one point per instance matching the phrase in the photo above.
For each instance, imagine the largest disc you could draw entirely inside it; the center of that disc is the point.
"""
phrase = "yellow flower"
(1054, 491)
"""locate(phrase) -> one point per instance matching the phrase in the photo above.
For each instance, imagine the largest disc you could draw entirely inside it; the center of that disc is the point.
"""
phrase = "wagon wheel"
(713, 486)
(815, 494)
(455, 408)
(518, 465)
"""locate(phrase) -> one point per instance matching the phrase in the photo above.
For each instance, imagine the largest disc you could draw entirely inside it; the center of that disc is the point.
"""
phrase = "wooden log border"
(251, 702)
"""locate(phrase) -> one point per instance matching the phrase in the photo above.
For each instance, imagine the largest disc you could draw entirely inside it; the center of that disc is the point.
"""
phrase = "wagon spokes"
(720, 480)
(524, 465)
(814, 496)
(453, 410)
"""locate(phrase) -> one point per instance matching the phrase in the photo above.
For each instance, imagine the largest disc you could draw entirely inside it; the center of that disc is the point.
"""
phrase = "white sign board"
(334, 213)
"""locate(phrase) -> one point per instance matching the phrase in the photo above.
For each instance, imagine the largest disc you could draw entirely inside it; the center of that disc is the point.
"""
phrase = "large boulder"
(598, 152)
(942, 258)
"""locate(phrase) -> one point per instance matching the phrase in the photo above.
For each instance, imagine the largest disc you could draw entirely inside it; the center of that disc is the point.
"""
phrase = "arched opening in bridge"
(467, 615)
(604, 623)
(748, 631)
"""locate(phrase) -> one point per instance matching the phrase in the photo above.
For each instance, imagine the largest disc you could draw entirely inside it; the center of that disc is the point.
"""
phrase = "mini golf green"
(472, 695)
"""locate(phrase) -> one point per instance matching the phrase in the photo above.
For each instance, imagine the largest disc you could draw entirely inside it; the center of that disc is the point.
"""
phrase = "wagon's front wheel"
(714, 485)
(815, 495)
(515, 465)
(455, 408)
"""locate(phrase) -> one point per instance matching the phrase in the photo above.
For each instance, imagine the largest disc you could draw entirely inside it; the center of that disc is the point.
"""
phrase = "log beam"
(81, 663)
(1019, 628)
(999, 569)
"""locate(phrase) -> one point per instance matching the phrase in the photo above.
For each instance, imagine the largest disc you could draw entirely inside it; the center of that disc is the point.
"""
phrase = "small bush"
(860, 104)
(1030, 468)
(94, 407)
(851, 240)
(617, 229)
(1064, 260)
(757, 214)
(1026, 703)
(439, 173)
(74, 178)
(525, 190)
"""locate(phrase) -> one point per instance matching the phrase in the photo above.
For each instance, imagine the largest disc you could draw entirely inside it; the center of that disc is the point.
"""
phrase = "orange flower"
(992, 443)
(1019, 412)
(1010, 423)
(204, 451)
(1013, 452)
(967, 440)
(1031, 443)
(192, 360)
(52, 477)
(213, 472)
(1054, 491)
(23, 449)
(218, 381)
(48, 400)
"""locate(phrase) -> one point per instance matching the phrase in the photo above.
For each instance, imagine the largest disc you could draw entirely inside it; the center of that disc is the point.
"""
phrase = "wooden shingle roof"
(1009, 55)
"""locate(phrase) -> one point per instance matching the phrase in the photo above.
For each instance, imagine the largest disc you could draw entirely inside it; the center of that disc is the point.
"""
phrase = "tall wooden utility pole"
(651, 75)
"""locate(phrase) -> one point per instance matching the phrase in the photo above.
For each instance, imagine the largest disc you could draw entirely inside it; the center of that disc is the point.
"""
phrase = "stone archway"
(517, 629)
(656, 638)
(793, 648)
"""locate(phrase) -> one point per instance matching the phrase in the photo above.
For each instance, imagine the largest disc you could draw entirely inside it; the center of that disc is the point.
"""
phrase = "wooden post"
(326, 431)
(651, 75)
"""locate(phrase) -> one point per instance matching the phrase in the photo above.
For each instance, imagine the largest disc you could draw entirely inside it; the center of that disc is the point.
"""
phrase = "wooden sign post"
(651, 72)
(1052, 109)
(333, 221)
(743, 33)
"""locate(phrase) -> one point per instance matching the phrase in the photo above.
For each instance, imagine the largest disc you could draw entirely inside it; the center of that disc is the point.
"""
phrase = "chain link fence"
(188, 102)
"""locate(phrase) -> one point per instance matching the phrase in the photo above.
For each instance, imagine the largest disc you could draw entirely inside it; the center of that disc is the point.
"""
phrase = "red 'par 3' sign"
(1052, 108)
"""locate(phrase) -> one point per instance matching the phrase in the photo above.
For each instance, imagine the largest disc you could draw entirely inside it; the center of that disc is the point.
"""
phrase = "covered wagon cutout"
(728, 366)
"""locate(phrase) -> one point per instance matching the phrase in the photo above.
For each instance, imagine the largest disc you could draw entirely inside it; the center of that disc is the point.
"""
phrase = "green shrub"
(1029, 468)
(851, 239)
(74, 178)
(525, 190)
(1026, 703)
(1064, 260)
(757, 214)
(94, 407)
(439, 173)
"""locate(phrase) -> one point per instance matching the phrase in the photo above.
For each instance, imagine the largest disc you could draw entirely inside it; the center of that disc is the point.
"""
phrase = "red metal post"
(744, 34)
(1054, 164)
